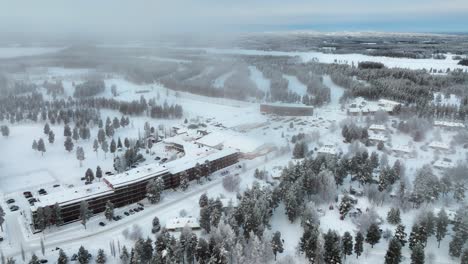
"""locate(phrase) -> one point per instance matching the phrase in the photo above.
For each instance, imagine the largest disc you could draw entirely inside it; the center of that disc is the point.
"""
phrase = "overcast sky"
(166, 16)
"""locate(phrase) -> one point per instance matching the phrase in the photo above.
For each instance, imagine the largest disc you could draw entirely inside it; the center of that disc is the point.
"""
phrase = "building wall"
(135, 192)
(286, 110)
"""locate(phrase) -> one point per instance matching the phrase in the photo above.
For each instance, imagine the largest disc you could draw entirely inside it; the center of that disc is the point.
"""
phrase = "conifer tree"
(98, 173)
(393, 255)
(85, 213)
(68, 144)
(51, 137)
(277, 243)
(62, 258)
(332, 253)
(96, 146)
(113, 147)
(417, 254)
(80, 155)
(401, 235)
(41, 146)
(393, 216)
(124, 256)
(58, 214)
(441, 226)
(105, 147)
(101, 257)
(109, 211)
(46, 129)
(34, 259)
(89, 175)
(347, 244)
(34, 145)
(83, 255)
(373, 235)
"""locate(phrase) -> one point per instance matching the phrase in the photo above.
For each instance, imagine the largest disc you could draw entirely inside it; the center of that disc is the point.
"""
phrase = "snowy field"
(18, 51)
(413, 64)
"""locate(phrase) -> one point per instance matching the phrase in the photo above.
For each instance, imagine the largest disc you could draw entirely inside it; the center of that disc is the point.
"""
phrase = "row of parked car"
(13, 207)
(137, 209)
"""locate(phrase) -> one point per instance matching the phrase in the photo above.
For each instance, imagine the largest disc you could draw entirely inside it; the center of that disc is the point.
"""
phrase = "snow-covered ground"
(294, 85)
(414, 64)
(18, 51)
(257, 76)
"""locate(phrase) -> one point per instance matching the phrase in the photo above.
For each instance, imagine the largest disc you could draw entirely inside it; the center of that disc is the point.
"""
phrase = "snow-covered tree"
(184, 181)
(101, 257)
(417, 254)
(441, 225)
(34, 259)
(124, 255)
(346, 205)
(57, 214)
(2, 217)
(98, 173)
(393, 255)
(96, 146)
(85, 213)
(89, 175)
(393, 216)
(156, 225)
(109, 211)
(154, 189)
(51, 137)
(105, 147)
(332, 252)
(62, 258)
(80, 155)
(83, 255)
(5, 130)
(34, 145)
(347, 244)
(373, 235)
(359, 244)
(41, 146)
(68, 144)
(46, 129)
(400, 234)
(277, 243)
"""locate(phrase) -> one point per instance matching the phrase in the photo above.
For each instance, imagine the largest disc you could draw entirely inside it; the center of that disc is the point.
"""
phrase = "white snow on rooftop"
(449, 124)
(232, 140)
(73, 195)
(181, 222)
(439, 145)
(377, 127)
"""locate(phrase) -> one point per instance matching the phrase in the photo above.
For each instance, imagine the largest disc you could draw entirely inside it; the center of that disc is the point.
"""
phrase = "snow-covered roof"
(443, 164)
(229, 202)
(362, 105)
(135, 175)
(377, 127)
(73, 195)
(189, 161)
(449, 124)
(327, 149)
(181, 222)
(439, 145)
(402, 148)
(378, 137)
(233, 140)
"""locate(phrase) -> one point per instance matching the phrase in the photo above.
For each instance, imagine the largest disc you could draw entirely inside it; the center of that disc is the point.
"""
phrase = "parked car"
(14, 208)
(1, 239)
(56, 185)
(140, 204)
(27, 194)
(126, 213)
(102, 224)
(43, 261)
(117, 218)
(10, 201)
(42, 191)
